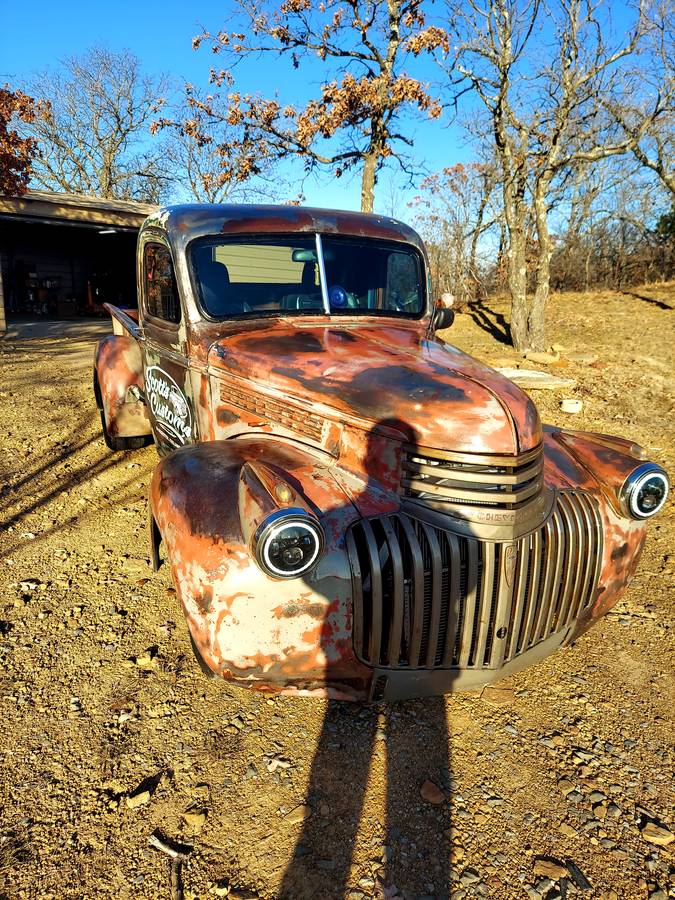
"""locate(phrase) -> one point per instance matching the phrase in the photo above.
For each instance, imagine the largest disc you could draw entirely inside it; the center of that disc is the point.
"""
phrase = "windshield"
(282, 276)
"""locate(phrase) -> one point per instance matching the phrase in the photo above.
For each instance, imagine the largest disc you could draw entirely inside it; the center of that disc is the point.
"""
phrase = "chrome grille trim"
(429, 598)
(505, 482)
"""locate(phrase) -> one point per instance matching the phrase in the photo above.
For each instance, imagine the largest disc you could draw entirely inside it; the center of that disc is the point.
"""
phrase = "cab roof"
(187, 221)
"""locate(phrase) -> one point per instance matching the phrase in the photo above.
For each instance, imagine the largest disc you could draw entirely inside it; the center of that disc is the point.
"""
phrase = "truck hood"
(386, 374)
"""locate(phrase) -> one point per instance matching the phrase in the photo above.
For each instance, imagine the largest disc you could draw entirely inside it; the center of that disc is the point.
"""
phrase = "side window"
(161, 294)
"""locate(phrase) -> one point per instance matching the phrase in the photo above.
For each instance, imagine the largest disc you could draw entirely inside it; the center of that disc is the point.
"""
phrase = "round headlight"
(645, 491)
(288, 543)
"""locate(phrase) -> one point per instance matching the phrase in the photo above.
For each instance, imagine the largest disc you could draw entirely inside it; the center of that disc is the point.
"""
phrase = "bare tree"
(16, 152)
(645, 107)
(198, 132)
(356, 121)
(612, 236)
(452, 213)
(545, 118)
(92, 127)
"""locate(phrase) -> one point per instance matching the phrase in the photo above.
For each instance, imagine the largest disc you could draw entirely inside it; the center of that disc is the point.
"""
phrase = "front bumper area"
(393, 685)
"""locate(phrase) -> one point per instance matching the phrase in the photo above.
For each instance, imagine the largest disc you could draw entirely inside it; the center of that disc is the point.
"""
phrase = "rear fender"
(118, 366)
(207, 501)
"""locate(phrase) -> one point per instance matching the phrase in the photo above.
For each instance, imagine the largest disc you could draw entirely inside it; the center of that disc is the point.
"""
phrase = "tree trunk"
(536, 322)
(368, 182)
(516, 268)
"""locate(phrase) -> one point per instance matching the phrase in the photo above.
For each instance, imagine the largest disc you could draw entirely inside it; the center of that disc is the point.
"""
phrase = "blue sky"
(160, 34)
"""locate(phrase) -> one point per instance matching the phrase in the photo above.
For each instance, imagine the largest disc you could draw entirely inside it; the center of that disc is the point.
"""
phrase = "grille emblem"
(509, 555)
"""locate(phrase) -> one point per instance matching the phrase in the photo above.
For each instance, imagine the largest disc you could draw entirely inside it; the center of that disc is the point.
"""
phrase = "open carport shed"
(64, 255)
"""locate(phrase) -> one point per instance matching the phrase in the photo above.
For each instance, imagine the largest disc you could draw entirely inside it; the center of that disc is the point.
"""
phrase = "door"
(165, 366)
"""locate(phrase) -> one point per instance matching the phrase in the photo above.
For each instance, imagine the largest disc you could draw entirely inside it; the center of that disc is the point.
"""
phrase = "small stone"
(432, 793)
(567, 830)
(29, 584)
(542, 357)
(135, 800)
(146, 661)
(597, 797)
(531, 378)
(571, 405)
(195, 818)
(657, 834)
(578, 876)
(457, 854)
(498, 695)
(549, 868)
(566, 786)
(299, 814)
(469, 876)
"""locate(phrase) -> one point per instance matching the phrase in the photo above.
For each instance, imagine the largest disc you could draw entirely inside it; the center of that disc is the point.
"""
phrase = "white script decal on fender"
(168, 405)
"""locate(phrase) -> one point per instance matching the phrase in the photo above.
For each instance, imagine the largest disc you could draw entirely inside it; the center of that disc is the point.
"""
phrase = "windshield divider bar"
(322, 275)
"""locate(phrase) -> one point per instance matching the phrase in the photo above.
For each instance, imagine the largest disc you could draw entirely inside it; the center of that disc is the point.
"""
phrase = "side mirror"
(443, 317)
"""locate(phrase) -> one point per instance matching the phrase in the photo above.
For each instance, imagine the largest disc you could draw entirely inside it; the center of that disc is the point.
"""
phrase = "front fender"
(599, 464)
(281, 634)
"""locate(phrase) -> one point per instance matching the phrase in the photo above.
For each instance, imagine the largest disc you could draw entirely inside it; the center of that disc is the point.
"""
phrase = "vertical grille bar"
(580, 562)
(454, 562)
(396, 630)
(591, 527)
(375, 636)
(548, 588)
(417, 590)
(465, 639)
(436, 583)
(570, 567)
(524, 641)
(507, 585)
(485, 605)
(521, 584)
(357, 593)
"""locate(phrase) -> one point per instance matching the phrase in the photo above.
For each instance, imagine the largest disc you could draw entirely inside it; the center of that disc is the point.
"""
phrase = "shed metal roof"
(75, 209)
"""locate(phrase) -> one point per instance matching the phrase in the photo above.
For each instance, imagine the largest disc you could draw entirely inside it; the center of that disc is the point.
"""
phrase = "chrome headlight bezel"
(631, 487)
(270, 530)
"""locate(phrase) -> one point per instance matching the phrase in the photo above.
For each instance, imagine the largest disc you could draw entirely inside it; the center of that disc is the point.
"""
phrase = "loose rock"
(432, 793)
(657, 834)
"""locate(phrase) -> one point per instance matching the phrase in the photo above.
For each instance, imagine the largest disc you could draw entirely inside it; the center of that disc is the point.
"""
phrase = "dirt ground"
(558, 784)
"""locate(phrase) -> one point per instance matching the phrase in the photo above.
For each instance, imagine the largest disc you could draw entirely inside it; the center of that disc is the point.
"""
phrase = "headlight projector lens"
(644, 491)
(288, 543)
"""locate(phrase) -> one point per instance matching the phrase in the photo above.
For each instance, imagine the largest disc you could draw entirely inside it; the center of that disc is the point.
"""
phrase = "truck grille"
(429, 598)
(444, 478)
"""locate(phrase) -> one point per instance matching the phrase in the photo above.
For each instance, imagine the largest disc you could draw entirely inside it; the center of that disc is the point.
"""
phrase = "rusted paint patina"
(330, 415)
(118, 366)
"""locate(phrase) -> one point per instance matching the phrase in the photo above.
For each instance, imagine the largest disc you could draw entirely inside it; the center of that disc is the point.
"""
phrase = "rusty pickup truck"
(351, 507)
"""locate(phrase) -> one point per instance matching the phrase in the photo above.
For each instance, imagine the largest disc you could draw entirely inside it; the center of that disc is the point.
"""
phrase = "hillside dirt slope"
(110, 731)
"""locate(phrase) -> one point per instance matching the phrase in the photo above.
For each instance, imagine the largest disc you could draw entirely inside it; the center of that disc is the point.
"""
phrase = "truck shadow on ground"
(387, 749)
